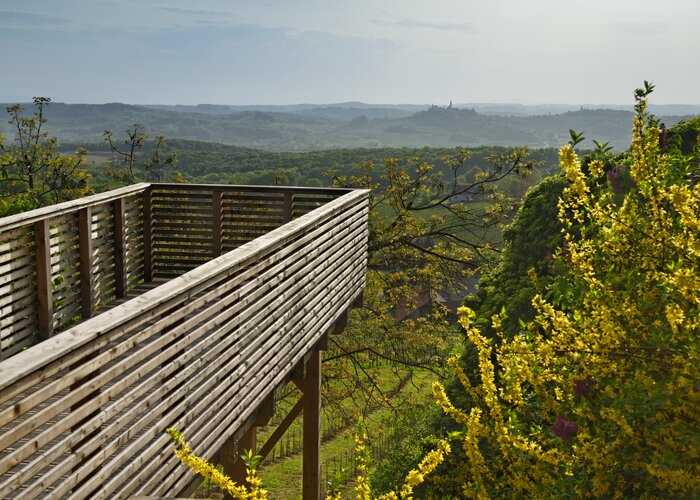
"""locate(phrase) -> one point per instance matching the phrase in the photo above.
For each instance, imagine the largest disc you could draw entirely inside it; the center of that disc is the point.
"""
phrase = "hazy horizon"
(459, 105)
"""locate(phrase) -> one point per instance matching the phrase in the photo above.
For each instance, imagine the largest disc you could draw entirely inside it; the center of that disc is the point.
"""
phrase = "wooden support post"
(340, 324)
(217, 229)
(230, 455)
(296, 375)
(288, 207)
(312, 428)
(43, 278)
(119, 247)
(147, 236)
(322, 344)
(359, 300)
(87, 297)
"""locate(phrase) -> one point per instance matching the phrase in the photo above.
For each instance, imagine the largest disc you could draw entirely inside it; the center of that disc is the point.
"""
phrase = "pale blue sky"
(313, 51)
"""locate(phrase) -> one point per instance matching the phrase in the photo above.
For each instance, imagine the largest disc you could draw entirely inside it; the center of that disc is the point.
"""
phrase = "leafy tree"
(422, 246)
(530, 243)
(130, 167)
(32, 171)
(598, 395)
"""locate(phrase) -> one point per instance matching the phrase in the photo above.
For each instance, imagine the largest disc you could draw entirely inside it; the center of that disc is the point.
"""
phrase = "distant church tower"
(450, 106)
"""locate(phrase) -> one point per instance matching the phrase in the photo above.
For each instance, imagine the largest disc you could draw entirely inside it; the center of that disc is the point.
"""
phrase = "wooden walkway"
(240, 286)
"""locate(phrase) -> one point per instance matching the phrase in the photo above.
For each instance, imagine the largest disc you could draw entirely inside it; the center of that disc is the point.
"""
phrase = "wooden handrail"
(258, 188)
(13, 221)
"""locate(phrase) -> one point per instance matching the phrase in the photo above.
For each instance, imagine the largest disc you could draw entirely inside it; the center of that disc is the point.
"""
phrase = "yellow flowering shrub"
(600, 394)
(253, 489)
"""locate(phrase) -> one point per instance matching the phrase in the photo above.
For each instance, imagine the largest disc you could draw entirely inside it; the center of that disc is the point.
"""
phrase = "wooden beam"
(311, 489)
(282, 428)
(359, 300)
(230, 455)
(265, 411)
(147, 236)
(288, 207)
(87, 297)
(43, 278)
(119, 247)
(216, 215)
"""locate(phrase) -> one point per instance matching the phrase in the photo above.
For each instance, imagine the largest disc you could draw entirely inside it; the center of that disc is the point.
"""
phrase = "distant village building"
(466, 193)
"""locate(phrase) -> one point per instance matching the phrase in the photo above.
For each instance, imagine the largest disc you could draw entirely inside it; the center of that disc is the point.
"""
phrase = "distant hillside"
(348, 125)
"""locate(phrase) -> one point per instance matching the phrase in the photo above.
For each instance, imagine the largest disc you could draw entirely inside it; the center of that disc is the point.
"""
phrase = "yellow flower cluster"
(209, 471)
(413, 478)
(417, 476)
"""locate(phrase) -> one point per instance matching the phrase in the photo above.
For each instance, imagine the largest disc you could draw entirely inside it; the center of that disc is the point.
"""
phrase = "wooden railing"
(82, 413)
(62, 264)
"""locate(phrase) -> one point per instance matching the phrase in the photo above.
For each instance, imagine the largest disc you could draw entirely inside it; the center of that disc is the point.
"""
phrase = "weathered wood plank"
(18, 263)
(17, 248)
(18, 318)
(43, 278)
(147, 235)
(17, 300)
(265, 189)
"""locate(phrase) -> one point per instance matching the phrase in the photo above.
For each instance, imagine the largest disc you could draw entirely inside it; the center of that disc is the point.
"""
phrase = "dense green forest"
(212, 163)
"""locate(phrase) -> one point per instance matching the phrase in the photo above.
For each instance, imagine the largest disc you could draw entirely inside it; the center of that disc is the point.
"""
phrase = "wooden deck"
(240, 284)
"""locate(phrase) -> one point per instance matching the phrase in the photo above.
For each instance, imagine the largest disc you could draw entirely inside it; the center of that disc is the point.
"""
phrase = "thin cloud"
(408, 24)
(641, 29)
(17, 18)
(196, 12)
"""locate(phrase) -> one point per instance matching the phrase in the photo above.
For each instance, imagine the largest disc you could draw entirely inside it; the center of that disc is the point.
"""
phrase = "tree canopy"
(32, 172)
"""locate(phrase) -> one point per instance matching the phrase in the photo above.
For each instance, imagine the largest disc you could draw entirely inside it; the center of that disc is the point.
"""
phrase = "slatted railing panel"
(65, 270)
(18, 305)
(103, 255)
(133, 232)
(249, 214)
(51, 277)
(305, 202)
(83, 414)
(182, 227)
